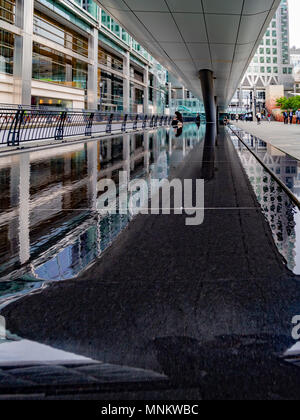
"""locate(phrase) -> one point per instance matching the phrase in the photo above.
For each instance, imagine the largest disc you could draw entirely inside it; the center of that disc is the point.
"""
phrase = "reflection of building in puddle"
(277, 206)
(49, 225)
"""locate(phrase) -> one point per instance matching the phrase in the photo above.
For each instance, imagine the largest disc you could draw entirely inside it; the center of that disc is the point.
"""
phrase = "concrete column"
(146, 91)
(126, 83)
(155, 86)
(92, 91)
(207, 84)
(23, 52)
(183, 93)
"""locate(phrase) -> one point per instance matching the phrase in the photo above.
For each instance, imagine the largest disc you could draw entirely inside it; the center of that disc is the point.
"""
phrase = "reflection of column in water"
(109, 149)
(92, 158)
(170, 142)
(208, 164)
(126, 154)
(156, 147)
(24, 208)
(67, 197)
(146, 152)
(98, 234)
(184, 145)
(14, 203)
(133, 148)
(123, 186)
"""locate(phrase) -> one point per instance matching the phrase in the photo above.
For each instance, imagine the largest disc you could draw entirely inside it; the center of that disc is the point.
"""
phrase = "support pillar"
(207, 84)
(126, 85)
(146, 91)
(23, 52)
(93, 71)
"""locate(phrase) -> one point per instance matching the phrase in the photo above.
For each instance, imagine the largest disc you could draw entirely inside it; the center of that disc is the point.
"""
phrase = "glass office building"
(73, 54)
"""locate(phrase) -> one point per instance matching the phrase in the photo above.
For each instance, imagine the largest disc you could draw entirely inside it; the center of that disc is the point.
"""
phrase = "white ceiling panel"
(191, 26)
(223, 7)
(190, 6)
(156, 23)
(217, 25)
(176, 51)
(253, 7)
(188, 36)
(148, 6)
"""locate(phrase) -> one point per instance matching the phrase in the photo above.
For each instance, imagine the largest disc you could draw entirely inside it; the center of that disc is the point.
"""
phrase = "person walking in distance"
(258, 118)
(269, 117)
(298, 116)
(285, 117)
(291, 116)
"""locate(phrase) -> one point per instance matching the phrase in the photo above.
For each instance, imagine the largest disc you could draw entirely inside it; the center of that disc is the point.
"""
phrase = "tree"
(289, 103)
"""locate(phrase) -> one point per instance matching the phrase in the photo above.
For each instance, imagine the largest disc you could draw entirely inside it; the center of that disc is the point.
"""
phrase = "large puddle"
(280, 211)
(49, 228)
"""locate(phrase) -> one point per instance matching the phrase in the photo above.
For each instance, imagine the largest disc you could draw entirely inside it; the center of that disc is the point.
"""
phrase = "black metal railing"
(28, 124)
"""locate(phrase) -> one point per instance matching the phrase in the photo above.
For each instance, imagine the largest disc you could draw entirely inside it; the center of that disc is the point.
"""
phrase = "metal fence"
(29, 124)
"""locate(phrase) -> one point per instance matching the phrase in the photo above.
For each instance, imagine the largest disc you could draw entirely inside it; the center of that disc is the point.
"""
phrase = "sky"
(294, 12)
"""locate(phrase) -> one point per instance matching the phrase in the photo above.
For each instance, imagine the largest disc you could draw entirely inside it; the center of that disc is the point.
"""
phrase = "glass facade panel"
(49, 29)
(7, 10)
(6, 52)
(52, 66)
(111, 92)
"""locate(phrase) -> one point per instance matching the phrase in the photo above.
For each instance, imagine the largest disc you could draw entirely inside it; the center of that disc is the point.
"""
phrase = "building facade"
(271, 65)
(72, 54)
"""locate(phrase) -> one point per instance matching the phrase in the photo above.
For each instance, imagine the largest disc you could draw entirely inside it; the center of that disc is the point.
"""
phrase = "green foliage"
(289, 103)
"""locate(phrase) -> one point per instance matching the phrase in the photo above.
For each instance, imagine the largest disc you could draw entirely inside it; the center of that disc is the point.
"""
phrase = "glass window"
(7, 10)
(55, 67)
(52, 30)
(6, 52)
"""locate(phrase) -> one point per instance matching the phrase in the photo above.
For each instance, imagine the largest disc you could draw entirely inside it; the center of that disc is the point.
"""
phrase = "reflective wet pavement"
(210, 307)
(50, 229)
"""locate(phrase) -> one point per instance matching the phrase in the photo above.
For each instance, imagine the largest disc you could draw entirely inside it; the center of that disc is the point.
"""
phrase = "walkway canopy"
(191, 35)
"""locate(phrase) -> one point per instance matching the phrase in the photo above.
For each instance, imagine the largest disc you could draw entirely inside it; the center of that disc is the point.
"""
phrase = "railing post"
(124, 123)
(145, 121)
(89, 125)
(59, 131)
(109, 124)
(152, 121)
(13, 138)
(135, 124)
(161, 121)
(156, 121)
